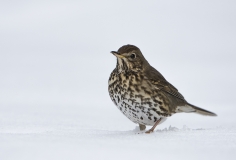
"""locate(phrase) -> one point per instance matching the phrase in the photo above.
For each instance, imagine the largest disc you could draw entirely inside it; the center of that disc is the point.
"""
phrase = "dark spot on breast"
(147, 92)
(154, 109)
(141, 118)
(143, 88)
(118, 99)
(155, 119)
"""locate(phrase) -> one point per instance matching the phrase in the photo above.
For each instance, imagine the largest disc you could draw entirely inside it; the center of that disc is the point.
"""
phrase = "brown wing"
(156, 78)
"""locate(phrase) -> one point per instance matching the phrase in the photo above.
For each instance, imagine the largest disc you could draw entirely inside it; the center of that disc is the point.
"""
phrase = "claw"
(149, 131)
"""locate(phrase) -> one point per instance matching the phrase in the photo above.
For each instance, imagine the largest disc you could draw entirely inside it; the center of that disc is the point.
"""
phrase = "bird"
(142, 94)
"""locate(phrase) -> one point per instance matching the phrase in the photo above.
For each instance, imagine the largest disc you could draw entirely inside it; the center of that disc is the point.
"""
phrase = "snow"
(73, 132)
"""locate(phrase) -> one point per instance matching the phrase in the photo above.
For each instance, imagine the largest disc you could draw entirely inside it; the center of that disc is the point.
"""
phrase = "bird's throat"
(121, 65)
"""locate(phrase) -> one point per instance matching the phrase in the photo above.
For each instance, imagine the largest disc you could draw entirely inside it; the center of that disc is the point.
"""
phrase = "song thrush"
(142, 94)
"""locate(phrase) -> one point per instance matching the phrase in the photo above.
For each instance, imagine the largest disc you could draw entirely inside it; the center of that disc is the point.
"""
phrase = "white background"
(55, 63)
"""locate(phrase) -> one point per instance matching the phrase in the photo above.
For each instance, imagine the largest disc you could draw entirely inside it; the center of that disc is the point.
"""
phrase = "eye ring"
(132, 56)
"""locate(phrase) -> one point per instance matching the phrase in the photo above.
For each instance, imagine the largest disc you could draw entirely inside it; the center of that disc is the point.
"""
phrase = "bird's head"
(130, 58)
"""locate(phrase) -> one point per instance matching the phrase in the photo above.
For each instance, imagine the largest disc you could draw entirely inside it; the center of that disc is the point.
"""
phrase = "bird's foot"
(154, 126)
(149, 131)
(142, 127)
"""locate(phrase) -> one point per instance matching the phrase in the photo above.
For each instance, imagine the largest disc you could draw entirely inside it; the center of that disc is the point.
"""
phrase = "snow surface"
(67, 132)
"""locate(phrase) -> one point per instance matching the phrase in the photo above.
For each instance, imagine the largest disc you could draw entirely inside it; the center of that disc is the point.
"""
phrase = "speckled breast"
(135, 98)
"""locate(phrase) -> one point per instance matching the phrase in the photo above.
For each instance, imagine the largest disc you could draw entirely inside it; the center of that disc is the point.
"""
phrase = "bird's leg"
(142, 127)
(154, 126)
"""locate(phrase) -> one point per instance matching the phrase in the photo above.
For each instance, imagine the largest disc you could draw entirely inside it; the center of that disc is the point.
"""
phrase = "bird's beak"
(117, 54)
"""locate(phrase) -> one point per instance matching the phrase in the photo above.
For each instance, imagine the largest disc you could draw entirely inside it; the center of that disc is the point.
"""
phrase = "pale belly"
(137, 113)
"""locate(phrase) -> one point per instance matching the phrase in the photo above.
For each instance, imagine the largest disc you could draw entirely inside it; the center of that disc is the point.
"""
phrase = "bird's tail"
(191, 108)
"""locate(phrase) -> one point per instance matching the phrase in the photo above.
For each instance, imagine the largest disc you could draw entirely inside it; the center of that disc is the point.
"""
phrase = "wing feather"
(161, 83)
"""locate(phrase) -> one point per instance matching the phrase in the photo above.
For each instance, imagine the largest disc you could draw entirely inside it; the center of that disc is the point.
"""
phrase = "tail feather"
(191, 108)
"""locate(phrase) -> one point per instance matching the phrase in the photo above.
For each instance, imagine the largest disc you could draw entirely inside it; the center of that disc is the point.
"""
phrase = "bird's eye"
(132, 56)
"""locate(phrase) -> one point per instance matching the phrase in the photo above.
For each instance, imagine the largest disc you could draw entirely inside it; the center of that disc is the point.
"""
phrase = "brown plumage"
(141, 93)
